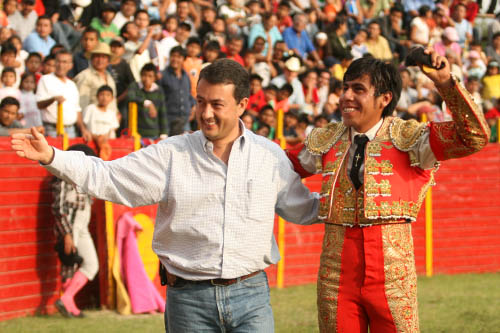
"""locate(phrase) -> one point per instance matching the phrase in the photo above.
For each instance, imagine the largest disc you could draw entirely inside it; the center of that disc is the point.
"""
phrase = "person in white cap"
(290, 75)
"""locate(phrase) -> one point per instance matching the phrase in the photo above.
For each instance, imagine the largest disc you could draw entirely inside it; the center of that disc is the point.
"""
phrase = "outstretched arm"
(137, 179)
(468, 132)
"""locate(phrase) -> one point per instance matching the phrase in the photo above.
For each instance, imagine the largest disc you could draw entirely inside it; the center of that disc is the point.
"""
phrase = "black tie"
(358, 159)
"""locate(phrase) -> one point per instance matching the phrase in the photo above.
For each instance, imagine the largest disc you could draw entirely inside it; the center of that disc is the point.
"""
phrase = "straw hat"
(101, 48)
(293, 64)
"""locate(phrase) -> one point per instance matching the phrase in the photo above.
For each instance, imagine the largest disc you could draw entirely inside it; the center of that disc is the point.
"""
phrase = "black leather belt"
(175, 281)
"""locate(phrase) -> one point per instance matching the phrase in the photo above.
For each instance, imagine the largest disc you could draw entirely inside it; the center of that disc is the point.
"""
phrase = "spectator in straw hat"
(290, 75)
(90, 79)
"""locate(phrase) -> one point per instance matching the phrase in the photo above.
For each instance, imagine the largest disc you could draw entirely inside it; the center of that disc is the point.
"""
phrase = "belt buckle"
(224, 284)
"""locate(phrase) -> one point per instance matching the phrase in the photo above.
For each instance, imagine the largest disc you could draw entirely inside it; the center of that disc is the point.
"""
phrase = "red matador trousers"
(367, 279)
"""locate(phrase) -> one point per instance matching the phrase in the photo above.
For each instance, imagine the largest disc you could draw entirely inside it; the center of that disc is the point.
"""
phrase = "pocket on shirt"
(261, 199)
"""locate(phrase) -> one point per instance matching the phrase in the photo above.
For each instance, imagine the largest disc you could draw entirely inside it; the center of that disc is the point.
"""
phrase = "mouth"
(348, 110)
(209, 123)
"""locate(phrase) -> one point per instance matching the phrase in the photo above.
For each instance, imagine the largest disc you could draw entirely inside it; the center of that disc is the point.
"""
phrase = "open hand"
(32, 146)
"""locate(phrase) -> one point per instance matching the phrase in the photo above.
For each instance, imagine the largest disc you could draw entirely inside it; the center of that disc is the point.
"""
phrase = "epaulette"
(404, 134)
(320, 140)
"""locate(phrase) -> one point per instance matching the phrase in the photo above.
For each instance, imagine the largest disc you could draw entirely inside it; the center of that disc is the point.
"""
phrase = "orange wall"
(466, 230)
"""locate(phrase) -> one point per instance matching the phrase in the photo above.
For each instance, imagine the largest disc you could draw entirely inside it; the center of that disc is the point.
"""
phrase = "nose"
(347, 94)
(205, 110)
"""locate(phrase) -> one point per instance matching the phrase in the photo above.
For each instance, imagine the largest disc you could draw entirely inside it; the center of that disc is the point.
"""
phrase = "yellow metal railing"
(132, 125)
(60, 126)
(281, 223)
(428, 226)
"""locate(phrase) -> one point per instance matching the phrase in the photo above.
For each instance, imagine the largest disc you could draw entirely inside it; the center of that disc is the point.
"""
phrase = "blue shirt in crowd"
(302, 43)
(177, 93)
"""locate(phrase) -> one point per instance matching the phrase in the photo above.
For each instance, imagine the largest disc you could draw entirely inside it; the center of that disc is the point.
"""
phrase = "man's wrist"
(50, 158)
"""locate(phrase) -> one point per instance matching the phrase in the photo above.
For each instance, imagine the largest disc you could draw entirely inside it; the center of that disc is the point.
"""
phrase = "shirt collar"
(154, 87)
(371, 133)
(240, 140)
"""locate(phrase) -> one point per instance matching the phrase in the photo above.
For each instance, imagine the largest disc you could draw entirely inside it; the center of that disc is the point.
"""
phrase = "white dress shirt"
(214, 220)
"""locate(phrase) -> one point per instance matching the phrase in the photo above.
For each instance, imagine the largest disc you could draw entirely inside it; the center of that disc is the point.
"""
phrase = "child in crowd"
(358, 46)
(266, 116)
(8, 59)
(33, 64)
(283, 13)
(104, 24)
(9, 87)
(151, 109)
(474, 65)
(192, 63)
(101, 120)
(170, 26)
(211, 52)
(72, 212)
(218, 33)
(136, 52)
(263, 130)
(270, 95)
(254, 11)
(9, 113)
(290, 123)
(30, 114)
(257, 99)
(49, 65)
(21, 54)
(247, 120)
(284, 93)
(141, 20)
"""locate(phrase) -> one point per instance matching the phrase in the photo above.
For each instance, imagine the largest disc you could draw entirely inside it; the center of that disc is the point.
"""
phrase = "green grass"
(455, 303)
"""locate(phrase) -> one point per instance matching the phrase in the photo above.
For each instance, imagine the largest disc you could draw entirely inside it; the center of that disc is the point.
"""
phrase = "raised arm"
(468, 132)
(137, 179)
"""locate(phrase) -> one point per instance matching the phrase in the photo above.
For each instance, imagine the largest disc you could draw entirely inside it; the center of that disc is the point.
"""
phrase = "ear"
(385, 99)
(242, 106)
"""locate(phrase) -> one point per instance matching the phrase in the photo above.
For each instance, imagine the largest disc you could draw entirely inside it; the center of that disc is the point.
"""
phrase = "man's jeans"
(241, 307)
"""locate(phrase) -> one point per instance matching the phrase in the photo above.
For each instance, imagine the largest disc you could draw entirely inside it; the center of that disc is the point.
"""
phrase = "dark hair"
(212, 45)
(256, 77)
(397, 7)
(34, 54)
(284, 4)
(83, 148)
(227, 71)
(340, 20)
(384, 77)
(234, 37)
(25, 76)
(44, 17)
(55, 47)
(48, 58)
(265, 108)
(179, 50)
(9, 100)
(123, 30)
(139, 11)
(262, 125)
(193, 40)
(11, 38)
(495, 35)
(104, 88)
(8, 70)
(184, 26)
(271, 87)
(304, 118)
(90, 30)
(155, 22)
(28, 2)
(149, 67)
(288, 88)
(8, 48)
(422, 10)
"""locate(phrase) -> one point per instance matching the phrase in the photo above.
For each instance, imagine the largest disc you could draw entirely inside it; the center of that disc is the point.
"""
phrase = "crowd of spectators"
(94, 57)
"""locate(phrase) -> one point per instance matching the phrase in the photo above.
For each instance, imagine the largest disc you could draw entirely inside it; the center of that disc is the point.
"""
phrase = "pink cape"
(143, 294)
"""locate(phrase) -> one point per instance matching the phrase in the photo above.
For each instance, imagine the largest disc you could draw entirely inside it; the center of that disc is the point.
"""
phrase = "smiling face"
(218, 112)
(8, 114)
(360, 108)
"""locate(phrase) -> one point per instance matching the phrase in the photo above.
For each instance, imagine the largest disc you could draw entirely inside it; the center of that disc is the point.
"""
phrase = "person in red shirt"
(234, 46)
(257, 98)
(283, 13)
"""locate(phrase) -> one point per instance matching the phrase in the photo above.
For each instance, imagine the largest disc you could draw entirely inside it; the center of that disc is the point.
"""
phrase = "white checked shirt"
(214, 220)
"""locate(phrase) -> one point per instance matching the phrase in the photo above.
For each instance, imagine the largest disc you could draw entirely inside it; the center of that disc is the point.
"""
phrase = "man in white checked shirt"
(218, 190)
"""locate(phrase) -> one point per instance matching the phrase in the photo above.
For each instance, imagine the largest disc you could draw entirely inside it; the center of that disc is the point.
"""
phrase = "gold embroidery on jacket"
(404, 134)
(400, 276)
(322, 139)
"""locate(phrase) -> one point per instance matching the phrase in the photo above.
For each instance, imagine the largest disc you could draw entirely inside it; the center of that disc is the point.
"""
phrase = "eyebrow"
(211, 101)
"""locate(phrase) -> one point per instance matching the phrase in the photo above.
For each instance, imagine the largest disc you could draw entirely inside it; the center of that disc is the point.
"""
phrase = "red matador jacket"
(394, 184)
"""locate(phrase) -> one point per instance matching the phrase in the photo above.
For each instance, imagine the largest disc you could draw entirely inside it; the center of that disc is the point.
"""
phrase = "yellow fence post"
(60, 126)
(132, 125)
(428, 226)
(498, 130)
(280, 278)
(110, 243)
